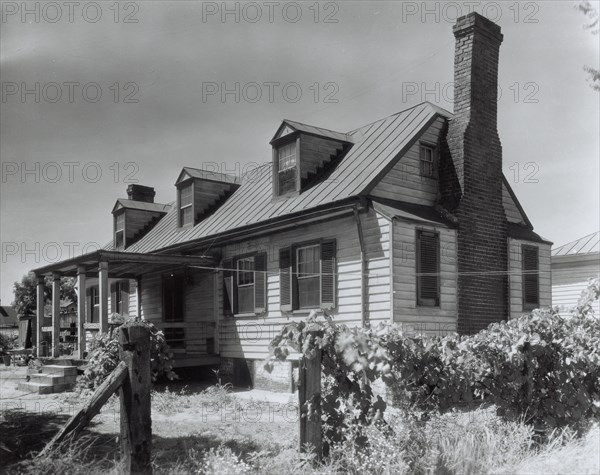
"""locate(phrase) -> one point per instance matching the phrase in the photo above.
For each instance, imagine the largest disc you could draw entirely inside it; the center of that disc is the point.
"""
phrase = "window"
(287, 173)
(120, 231)
(307, 276)
(427, 154)
(186, 208)
(175, 337)
(173, 297)
(530, 274)
(308, 265)
(287, 156)
(120, 297)
(94, 304)
(428, 268)
(245, 284)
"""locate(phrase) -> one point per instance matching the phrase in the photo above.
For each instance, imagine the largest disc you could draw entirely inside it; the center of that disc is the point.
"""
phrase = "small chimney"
(471, 181)
(141, 193)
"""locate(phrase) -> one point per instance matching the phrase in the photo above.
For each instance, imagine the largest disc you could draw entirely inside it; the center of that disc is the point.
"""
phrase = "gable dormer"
(135, 216)
(302, 154)
(200, 192)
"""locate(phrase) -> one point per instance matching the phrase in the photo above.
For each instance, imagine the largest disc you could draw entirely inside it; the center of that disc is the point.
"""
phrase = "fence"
(132, 378)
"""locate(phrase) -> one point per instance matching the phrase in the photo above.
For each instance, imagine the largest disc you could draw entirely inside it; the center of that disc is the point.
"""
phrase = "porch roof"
(125, 264)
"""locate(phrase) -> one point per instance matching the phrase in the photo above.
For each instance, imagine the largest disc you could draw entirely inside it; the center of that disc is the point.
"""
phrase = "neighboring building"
(573, 265)
(407, 219)
(9, 323)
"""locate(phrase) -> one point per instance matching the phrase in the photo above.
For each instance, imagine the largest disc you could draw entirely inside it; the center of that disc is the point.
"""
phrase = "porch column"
(40, 315)
(55, 313)
(103, 281)
(81, 310)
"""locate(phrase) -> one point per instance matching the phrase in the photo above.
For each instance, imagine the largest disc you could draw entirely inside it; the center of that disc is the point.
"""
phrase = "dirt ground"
(184, 417)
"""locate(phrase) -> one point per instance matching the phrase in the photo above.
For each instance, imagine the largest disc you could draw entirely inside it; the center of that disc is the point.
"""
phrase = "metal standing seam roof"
(142, 205)
(586, 245)
(252, 203)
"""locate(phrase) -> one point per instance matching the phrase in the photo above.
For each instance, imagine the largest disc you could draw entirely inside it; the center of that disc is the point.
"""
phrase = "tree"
(26, 292)
(589, 11)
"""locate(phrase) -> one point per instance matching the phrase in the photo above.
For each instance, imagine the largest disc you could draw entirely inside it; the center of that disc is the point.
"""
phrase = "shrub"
(104, 356)
(542, 368)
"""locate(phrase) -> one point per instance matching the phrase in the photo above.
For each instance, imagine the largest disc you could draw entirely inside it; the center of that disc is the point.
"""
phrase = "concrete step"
(52, 379)
(39, 388)
(43, 388)
(60, 370)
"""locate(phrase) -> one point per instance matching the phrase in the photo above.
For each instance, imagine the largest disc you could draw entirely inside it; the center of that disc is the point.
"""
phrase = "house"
(573, 265)
(407, 219)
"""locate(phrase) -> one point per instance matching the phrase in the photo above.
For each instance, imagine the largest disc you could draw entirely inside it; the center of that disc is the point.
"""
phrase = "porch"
(97, 274)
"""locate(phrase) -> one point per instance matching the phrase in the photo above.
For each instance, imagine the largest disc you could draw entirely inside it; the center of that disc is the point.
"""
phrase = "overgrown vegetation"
(104, 355)
(542, 368)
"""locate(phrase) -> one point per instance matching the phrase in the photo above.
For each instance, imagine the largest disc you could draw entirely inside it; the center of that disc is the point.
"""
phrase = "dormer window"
(186, 208)
(120, 231)
(287, 168)
(304, 155)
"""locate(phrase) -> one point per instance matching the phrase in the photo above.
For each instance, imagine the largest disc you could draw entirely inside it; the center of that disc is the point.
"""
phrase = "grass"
(186, 440)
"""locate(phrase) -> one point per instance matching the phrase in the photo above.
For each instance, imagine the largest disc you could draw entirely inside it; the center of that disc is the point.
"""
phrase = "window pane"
(426, 156)
(245, 271)
(186, 216)
(309, 294)
(287, 156)
(119, 239)
(246, 299)
(185, 196)
(287, 181)
(120, 222)
(308, 260)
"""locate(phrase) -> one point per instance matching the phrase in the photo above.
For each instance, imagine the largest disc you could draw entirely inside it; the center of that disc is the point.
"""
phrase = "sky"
(96, 97)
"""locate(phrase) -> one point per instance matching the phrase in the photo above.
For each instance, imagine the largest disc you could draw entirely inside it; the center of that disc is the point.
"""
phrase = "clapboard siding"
(404, 181)
(570, 277)
(440, 319)
(516, 281)
(249, 337)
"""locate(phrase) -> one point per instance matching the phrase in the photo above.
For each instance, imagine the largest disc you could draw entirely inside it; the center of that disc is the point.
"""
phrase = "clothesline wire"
(374, 274)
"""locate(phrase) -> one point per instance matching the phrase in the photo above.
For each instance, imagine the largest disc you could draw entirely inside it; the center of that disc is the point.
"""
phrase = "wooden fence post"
(309, 390)
(136, 418)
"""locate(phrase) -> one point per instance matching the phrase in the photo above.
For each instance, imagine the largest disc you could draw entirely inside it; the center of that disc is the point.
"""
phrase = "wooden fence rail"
(132, 378)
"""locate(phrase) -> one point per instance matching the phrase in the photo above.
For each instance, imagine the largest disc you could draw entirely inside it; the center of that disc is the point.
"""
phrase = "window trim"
(423, 163)
(419, 301)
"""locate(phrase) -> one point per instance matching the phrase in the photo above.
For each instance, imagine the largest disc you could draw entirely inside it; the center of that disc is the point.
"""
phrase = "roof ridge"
(435, 107)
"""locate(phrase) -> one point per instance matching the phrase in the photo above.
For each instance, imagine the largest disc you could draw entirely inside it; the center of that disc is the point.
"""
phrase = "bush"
(104, 356)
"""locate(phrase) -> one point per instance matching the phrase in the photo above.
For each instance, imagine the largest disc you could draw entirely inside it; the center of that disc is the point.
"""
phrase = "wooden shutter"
(428, 265)
(125, 297)
(530, 266)
(285, 279)
(88, 304)
(229, 294)
(260, 283)
(328, 251)
(113, 297)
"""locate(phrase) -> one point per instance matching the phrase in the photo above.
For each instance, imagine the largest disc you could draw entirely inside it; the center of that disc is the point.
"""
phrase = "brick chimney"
(141, 193)
(471, 181)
